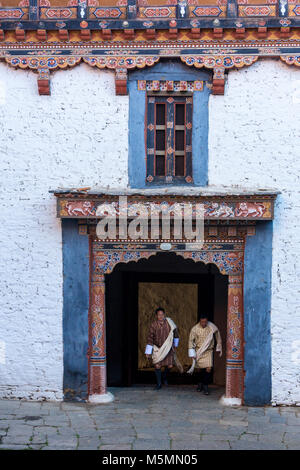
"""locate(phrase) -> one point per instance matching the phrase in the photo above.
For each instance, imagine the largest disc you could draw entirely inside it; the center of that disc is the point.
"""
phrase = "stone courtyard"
(175, 418)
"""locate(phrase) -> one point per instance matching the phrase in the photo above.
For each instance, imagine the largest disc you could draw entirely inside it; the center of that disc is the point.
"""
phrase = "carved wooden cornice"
(218, 44)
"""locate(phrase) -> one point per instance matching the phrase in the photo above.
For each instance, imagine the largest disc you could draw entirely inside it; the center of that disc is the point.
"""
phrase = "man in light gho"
(201, 348)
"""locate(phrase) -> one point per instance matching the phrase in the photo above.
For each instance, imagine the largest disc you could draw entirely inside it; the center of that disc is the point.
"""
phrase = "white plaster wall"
(254, 142)
(76, 137)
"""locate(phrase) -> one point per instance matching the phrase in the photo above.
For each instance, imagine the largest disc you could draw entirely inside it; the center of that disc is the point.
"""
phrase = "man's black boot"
(165, 376)
(199, 387)
(205, 388)
(158, 379)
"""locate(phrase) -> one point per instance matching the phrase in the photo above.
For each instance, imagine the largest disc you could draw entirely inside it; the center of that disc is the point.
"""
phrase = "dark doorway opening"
(129, 289)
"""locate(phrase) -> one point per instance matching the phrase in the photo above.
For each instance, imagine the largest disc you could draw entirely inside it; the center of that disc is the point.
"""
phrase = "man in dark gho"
(161, 343)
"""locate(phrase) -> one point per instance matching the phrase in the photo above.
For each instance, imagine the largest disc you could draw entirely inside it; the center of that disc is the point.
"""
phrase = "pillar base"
(101, 398)
(227, 401)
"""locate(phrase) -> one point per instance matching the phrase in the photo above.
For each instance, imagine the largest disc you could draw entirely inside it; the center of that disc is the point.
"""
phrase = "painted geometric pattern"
(202, 11)
(13, 13)
(107, 12)
(58, 13)
(291, 60)
(257, 10)
(294, 10)
(157, 12)
(38, 62)
(222, 61)
(116, 62)
(170, 85)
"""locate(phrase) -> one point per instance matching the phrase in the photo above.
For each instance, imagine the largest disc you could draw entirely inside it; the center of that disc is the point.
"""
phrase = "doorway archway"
(228, 257)
(184, 289)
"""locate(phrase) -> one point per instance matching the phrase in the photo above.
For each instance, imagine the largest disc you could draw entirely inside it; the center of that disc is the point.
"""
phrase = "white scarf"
(160, 353)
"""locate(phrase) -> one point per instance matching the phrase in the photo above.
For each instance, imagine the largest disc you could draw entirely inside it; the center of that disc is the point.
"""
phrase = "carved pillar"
(121, 80)
(218, 81)
(97, 340)
(234, 346)
(43, 81)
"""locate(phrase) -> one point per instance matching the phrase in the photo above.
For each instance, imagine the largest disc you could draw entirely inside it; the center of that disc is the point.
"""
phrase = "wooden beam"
(218, 81)
(262, 32)
(195, 33)
(240, 33)
(43, 81)
(20, 34)
(173, 33)
(129, 34)
(121, 81)
(218, 33)
(150, 34)
(41, 34)
(106, 34)
(285, 32)
(85, 34)
(63, 34)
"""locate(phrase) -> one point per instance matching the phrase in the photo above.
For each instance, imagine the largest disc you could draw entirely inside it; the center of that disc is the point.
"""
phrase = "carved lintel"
(121, 80)
(218, 81)
(63, 34)
(20, 34)
(195, 33)
(43, 81)
(218, 33)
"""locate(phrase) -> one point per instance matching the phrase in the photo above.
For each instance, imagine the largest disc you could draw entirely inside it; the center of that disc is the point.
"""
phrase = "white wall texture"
(72, 139)
(254, 141)
(78, 136)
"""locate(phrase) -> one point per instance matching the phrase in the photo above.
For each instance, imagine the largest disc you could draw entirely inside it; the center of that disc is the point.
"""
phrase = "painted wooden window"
(169, 139)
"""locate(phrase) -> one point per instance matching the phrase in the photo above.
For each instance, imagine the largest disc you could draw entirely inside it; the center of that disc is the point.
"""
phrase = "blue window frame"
(168, 163)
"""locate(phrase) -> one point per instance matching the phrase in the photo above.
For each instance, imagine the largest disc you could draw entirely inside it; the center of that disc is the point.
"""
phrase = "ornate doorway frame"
(227, 255)
(229, 220)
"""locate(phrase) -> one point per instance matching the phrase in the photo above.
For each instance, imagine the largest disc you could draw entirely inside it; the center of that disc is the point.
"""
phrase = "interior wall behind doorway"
(180, 302)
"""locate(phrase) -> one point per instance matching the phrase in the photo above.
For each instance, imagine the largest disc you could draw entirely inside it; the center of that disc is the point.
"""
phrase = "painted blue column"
(75, 308)
(257, 311)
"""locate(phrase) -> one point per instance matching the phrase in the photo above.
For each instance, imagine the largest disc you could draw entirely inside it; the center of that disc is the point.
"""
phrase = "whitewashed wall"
(78, 136)
(254, 142)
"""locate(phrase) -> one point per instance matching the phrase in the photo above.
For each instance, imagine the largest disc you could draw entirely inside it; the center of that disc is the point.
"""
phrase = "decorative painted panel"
(227, 208)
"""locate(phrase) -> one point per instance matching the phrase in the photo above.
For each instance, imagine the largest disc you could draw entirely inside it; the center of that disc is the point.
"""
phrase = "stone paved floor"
(176, 417)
